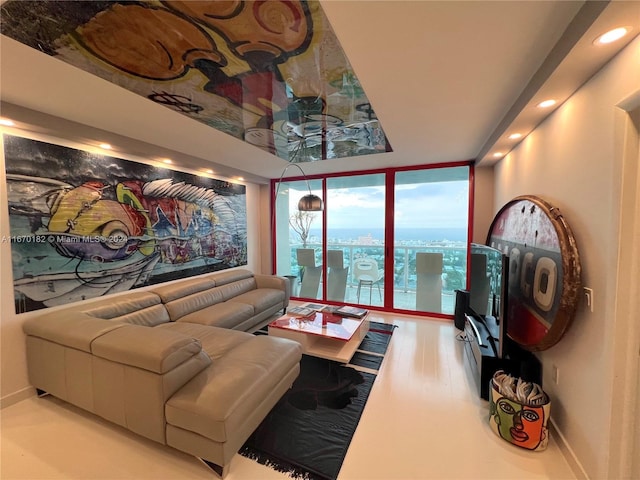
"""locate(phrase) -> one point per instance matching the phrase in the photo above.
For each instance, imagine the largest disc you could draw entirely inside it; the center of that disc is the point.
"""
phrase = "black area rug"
(308, 432)
(366, 360)
(375, 342)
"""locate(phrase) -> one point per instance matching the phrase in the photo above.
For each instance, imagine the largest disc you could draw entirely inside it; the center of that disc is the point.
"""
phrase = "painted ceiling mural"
(271, 73)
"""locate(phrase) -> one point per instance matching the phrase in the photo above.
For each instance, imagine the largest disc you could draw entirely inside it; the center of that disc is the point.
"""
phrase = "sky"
(424, 205)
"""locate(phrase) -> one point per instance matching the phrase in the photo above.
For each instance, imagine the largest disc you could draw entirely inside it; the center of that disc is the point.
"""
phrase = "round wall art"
(544, 271)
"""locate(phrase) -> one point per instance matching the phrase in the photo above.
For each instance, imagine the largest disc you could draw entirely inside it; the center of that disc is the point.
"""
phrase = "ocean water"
(401, 234)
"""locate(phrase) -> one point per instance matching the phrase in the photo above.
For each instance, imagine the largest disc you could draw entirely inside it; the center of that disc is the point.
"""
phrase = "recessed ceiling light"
(6, 122)
(498, 154)
(547, 103)
(167, 161)
(240, 178)
(515, 136)
(208, 170)
(106, 146)
(612, 35)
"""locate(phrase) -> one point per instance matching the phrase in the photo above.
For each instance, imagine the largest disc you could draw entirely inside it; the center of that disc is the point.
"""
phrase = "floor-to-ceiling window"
(395, 238)
(356, 216)
(298, 234)
(431, 217)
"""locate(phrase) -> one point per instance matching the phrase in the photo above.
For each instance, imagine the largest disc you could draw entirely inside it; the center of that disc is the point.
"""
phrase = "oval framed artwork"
(544, 270)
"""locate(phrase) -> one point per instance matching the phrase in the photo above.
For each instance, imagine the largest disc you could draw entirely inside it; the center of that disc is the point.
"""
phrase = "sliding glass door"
(355, 239)
(393, 239)
(431, 216)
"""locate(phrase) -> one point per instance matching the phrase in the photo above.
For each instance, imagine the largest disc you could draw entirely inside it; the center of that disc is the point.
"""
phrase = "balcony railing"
(453, 272)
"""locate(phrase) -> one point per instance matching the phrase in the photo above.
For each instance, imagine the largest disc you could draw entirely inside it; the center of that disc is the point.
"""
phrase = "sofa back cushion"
(234, 289)
(140, 308)
(192, 303)
(189, 296)
(174, 291)
(223, 278)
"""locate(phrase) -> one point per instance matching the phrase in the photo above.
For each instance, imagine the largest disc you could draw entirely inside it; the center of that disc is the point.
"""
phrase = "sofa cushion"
(152, 349)
(194, 303)
(260, 299)
(139, 308)
(146, 317)
(174, 291)
(217, 401)
(215, 341)
(231, 290)
(224, 315)
(229, 276)
(70, 328)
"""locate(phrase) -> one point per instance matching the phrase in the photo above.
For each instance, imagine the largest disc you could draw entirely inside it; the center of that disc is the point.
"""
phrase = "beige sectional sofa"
(175, 364)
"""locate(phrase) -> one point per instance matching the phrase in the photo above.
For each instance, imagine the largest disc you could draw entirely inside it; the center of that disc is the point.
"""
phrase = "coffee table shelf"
(323, 335)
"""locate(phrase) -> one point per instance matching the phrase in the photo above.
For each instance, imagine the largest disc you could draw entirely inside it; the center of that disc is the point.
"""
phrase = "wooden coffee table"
(324, 335)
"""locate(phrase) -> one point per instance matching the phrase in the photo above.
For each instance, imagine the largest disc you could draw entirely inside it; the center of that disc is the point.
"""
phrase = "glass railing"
(453, 271)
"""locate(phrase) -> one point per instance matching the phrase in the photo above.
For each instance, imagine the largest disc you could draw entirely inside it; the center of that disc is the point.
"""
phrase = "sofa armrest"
(275, 281)
(70, 328)
(152, 349)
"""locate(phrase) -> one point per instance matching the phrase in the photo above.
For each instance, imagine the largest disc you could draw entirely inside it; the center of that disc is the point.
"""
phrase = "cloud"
(423, 205)
(433, 205)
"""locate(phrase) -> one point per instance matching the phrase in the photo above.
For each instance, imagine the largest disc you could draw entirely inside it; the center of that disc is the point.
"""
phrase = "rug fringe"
(292, 471)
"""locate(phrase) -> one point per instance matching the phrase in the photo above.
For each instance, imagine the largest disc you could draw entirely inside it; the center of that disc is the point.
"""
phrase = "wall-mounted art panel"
(84, 225)
(544, 277)
(271, 73)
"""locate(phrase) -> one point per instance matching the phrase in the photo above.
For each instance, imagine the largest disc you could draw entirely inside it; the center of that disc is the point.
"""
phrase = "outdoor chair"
(366, 273)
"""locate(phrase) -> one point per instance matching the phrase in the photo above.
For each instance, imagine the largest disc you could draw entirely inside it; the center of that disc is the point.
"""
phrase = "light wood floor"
(423, 420)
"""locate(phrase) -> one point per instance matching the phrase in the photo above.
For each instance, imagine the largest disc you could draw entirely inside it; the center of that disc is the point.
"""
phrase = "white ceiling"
(448, 80)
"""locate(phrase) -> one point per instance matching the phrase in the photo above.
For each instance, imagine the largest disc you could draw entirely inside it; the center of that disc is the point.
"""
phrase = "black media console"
(485, 355)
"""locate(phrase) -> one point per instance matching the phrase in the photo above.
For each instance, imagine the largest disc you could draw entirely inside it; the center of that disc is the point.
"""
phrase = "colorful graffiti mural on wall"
(96, 225)
(269, 72)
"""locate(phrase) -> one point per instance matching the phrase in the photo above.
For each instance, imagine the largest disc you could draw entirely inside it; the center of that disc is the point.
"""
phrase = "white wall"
(265, 229)
(482, 203)
(625, 443)
(14, 384)
(573, 161)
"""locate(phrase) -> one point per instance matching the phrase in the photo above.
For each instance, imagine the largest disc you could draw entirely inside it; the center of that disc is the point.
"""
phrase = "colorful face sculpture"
(519, 424)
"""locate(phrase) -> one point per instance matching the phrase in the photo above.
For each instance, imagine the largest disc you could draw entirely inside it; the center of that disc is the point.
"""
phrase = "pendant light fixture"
(309, 202)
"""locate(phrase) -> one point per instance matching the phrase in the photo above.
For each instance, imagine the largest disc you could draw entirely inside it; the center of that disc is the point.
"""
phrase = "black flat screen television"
(488, 294)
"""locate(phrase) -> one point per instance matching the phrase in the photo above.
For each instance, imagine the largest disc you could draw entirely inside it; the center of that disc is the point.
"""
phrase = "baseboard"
(567, 452)
(16, 397)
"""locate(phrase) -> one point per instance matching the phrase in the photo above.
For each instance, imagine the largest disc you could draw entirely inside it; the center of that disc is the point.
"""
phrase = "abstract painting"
(271, 73)
(84, 225)
(544, 283)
